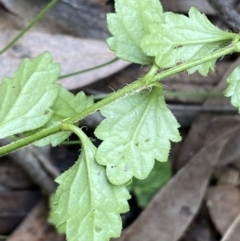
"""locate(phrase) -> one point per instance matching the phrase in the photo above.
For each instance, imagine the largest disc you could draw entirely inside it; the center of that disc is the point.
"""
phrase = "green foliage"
(137, 130)
(27, 97)
(138, 127)
(141, 31)
(65, 105)
(144, 190)
(86, 206)
(233, 89)
(129, 25)
(180, 39)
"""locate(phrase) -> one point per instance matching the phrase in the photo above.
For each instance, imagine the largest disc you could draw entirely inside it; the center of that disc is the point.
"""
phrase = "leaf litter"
(190, 210)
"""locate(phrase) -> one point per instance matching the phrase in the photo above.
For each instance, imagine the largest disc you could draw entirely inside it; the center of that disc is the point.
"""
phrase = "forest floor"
(199, 201)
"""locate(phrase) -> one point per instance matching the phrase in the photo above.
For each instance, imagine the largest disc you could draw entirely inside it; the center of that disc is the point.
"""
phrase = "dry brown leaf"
(231, 151)
(30, 161)
(201, 229)
(223, 123)
(35, 227)
(194, 140)
(14, 206)
(200, 128)
(224, 205)
(74, 54)
(75, 17)
(12, 176)
(174, 207)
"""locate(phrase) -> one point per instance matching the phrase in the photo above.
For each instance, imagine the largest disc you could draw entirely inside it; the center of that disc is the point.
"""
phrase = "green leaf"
(27, 97)
(144, 190)
(66, 105)
(86, 206)
(137, 130)
(129, 25)
(181, 38)
(233, 90)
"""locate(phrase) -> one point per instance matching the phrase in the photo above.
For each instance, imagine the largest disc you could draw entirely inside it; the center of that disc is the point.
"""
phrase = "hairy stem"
(58, 127)
(28, 140)
(140, 84)
(31, 24)
(74, 129)
(180, 68)
(148, 80)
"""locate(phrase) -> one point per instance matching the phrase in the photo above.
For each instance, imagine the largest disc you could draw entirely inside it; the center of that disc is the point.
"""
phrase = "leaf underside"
(181, 38)
(86, 206)
(27, 97)
(137, 130)
(233, 90)
(65, 105)
(129, 24)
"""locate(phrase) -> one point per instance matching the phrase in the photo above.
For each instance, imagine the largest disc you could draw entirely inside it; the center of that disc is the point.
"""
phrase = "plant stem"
(114, 96)
(102, 95)
(76, 130)
(30, 139)
(140, 84)
(58, 127)
(180, 68)
(150, 79)
(31, 24)
(90, 69)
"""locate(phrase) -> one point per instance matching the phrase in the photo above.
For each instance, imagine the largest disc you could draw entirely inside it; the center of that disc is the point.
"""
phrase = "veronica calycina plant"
(138, 126)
